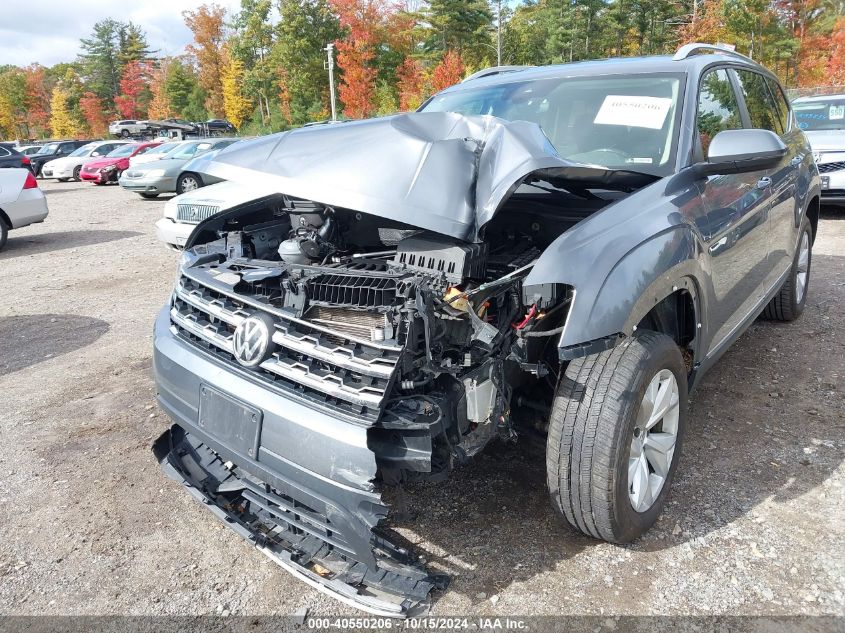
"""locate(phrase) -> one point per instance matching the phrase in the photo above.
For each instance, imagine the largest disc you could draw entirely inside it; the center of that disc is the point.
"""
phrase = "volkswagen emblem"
(253, 340)
(194, 213)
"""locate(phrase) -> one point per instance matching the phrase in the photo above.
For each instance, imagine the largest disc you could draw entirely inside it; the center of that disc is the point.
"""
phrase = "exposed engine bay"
(433, 334)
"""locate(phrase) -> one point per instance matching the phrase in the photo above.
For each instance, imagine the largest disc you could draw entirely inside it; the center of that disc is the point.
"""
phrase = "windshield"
(85, 150)
(183, 151)
(619, 122)
(161, 148)
(827, 114)
(49, 148)
(123, 150)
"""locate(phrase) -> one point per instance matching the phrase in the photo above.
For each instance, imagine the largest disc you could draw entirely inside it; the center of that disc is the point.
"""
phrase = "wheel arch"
(813, 213)
(6, 219)
(659, 270)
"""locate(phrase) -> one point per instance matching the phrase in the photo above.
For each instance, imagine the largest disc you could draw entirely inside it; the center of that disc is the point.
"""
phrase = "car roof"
(818, 98)
(693, 64)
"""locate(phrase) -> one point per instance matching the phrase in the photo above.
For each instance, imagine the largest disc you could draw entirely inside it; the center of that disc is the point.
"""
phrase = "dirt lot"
(755, 522)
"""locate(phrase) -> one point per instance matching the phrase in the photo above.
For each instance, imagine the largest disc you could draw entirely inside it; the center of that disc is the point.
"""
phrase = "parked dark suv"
(565, 249)
(52, 150)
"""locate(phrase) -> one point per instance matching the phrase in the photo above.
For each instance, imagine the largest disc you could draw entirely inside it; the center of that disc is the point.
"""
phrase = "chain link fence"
(794, 93)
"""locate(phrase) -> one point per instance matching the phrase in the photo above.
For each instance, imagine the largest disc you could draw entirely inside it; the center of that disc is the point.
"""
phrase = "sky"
(48, 31)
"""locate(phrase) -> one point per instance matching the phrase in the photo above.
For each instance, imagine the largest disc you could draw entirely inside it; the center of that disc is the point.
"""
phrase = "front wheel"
(76, 172)
(124, 133)
(615, 434)
(4, 233)
(188, 182)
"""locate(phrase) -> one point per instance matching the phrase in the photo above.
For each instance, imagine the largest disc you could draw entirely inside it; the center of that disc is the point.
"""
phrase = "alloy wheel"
(653, 443)
(189, 184)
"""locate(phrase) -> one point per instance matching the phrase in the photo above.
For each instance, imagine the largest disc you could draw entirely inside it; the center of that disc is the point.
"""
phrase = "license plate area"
(235, 424)
(825, 182)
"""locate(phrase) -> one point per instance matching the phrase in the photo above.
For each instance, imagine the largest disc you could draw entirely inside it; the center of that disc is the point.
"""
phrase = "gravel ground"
(755, 523)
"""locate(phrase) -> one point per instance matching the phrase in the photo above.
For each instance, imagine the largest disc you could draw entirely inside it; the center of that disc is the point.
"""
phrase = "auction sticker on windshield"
(836, 112)
(636, 111)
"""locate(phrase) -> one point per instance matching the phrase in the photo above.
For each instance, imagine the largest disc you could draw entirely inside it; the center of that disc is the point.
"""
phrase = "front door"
(733, 221)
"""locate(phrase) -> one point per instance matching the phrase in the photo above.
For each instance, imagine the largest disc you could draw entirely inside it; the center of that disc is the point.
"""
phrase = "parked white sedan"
(182, 213)
(21, 201)
(154, 152)
(67, 167)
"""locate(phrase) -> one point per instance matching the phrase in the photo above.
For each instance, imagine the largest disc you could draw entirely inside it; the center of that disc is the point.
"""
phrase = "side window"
(66, 148)
(781, 103)
(718, 108)
(759, 101)
(4, 151)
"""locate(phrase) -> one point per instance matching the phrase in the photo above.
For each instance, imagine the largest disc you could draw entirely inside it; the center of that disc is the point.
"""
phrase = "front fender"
(611, 299)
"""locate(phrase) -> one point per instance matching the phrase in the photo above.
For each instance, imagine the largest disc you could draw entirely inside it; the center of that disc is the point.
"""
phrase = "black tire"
(4, 233)
(124, 133)
(76, 172)
(591, 427)
(186, 179)
(785, 306)
(149, 196)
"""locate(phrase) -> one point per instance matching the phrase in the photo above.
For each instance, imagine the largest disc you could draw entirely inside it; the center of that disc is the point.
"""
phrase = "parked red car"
(109, 167)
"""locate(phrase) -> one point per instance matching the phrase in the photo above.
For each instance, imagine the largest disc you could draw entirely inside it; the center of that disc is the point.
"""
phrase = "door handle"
(796, 161)
(764, 182)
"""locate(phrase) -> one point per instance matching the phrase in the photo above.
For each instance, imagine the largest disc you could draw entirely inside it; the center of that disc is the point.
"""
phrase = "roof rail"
(494, 70)
(688, 50)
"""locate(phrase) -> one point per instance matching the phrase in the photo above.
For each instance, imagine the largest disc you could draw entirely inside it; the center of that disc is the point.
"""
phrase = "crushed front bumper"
(294, 481)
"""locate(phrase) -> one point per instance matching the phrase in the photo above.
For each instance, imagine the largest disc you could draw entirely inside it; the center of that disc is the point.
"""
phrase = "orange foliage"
(448, 72)
(37, 99)
(836, 62)
(159, 107)
(362, 19)
(410, 83)
(95, 117)
(284, 95)
(132, 84)
(209, 36)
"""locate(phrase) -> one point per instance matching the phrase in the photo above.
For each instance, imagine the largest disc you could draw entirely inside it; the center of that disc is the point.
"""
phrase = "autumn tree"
(134, 95)
(61, 122)
(37, 101)
(410, 84)
(235, 104)
(208, 27)
(251, 43)
(92, 110)
(448, 72)
(159, 106)
(461, 25)
(13, 118)
(297, 55)
(355, 53)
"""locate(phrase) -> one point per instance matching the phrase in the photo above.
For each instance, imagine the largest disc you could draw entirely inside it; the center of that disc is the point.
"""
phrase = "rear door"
(734, 218)
(764, 113)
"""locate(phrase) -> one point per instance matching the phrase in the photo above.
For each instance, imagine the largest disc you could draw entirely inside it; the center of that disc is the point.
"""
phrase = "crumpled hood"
(439, 171)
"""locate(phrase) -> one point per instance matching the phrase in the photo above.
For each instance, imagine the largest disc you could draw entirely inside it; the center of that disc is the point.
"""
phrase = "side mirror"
(741, 151)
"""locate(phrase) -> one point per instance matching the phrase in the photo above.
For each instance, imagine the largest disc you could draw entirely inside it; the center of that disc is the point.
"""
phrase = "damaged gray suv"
(565, 248)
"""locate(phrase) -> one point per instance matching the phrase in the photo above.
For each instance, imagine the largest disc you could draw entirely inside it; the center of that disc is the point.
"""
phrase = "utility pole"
(330, 65)
(499, 33)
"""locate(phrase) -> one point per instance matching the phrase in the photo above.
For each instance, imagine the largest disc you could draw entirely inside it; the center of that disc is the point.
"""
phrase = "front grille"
(826, 168)
(195, 213)
(312, 360)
